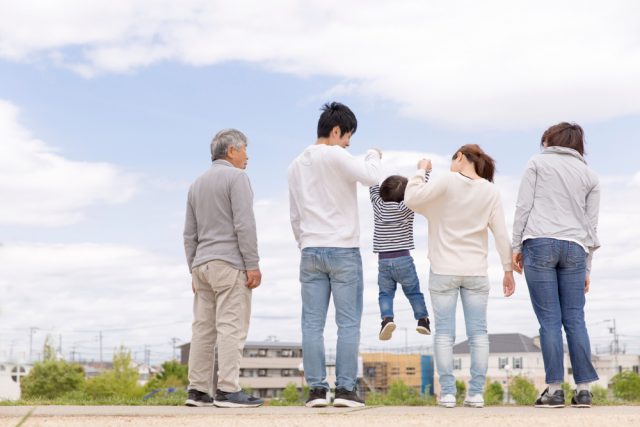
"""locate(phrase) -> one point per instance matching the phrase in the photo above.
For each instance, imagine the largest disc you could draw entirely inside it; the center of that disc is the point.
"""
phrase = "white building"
(10, 376)
(509, 355)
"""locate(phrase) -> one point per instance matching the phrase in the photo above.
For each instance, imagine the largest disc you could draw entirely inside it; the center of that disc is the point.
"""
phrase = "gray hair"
(223, 140)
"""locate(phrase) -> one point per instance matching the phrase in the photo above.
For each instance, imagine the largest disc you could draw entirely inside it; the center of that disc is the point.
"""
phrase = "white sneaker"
(475, 401)
(447, 401)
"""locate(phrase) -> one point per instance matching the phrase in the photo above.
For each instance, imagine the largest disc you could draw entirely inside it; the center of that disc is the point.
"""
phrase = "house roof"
(503, 343)
(266, 344)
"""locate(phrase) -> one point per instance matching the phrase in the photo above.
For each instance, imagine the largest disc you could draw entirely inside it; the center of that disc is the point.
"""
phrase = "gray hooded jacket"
(559, 198)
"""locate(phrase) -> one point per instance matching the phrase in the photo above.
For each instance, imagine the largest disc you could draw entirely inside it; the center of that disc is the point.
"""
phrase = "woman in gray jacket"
(554, 236)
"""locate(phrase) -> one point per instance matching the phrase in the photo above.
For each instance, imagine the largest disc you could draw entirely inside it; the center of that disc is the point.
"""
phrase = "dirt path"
(121, 416)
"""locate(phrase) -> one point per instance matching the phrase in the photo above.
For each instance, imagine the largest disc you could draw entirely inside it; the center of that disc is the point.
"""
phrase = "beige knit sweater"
(460, 211)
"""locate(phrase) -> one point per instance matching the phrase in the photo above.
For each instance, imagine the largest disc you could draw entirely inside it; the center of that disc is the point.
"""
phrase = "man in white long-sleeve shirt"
(324, 218)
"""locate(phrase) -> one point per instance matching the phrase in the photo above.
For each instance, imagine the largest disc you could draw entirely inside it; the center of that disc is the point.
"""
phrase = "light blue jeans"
(474, 293)
(325, 272)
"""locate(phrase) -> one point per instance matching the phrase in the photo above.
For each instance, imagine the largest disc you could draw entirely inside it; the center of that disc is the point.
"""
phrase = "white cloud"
(77, 290)
(71, 287)
(40, 187)
(495, 64)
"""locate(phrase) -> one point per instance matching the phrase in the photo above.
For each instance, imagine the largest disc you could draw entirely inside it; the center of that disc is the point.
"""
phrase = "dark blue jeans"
(399, 270)
(555, 271)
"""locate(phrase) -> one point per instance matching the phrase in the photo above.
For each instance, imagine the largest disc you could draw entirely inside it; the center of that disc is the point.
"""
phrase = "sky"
(107, 109)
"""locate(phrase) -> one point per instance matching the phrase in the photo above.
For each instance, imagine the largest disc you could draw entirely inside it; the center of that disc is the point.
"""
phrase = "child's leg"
(406, 275)
(386, 288)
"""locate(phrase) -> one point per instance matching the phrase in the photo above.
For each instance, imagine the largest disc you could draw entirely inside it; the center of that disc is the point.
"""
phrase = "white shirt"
(323, 195)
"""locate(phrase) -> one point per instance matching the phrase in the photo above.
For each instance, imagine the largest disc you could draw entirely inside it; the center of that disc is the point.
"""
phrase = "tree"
(290, 394)
(461, 391)
(49, 350)
(626, 386)
(522, 390)
(173, 374)
(121, 381)
(494, 394)
(51, 379)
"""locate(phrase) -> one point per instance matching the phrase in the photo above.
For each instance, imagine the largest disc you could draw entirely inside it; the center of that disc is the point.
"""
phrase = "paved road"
(155, 416)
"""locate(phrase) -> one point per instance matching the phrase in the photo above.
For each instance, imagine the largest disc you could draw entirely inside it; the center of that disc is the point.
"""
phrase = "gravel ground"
(117, 416)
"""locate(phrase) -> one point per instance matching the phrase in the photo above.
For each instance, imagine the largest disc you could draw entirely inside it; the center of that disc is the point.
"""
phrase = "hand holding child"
(424, 164)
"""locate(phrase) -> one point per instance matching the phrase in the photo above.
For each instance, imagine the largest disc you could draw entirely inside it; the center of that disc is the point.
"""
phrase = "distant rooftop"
(503, 343)
(266, 344)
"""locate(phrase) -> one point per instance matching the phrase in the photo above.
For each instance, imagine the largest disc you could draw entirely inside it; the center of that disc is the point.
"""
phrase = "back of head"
(485, 165)
(336, 114)
(223, 140)
(392, 189)
(569, 135)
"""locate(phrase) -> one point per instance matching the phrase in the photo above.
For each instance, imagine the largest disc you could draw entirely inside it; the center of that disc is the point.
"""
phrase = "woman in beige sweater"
(461, 207)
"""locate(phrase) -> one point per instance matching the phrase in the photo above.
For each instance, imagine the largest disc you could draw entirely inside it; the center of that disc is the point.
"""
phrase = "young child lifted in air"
(392, 241)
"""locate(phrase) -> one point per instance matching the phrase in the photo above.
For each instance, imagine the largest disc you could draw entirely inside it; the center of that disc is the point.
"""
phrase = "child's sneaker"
(423, 326)
(387, 329)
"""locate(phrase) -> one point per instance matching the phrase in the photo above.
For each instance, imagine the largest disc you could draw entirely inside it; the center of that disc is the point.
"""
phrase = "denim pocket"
(538, 252)
(576, 256)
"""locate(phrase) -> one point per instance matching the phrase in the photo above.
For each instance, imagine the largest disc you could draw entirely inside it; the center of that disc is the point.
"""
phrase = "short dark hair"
(392, 189)
(336, 114)
(564, 134)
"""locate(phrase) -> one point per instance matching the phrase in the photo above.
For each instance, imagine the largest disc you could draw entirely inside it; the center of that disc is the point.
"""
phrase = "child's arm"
(405, 210)
(376, 201)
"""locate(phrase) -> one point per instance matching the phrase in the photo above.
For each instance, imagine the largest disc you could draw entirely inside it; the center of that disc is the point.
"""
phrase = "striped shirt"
(393, 223)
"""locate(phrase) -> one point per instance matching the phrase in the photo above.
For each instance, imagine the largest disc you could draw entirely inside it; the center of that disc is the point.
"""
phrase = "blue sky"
(123, 102)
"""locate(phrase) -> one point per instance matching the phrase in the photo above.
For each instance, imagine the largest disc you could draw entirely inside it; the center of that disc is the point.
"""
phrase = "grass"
(75, 399)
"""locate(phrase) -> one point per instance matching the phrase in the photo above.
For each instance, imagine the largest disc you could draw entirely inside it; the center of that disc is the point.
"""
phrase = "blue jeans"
(474, 293)
(555, 271)
(399, 270)
(325, 272)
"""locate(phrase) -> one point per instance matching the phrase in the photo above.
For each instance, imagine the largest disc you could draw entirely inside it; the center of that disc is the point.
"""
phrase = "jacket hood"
(564, 150)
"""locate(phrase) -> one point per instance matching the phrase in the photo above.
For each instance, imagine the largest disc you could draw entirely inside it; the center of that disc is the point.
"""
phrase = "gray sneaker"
(239, 399)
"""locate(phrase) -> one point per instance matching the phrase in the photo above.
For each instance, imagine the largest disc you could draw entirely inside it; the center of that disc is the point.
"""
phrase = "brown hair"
(484, 164)
(564, 134)
(392, 189)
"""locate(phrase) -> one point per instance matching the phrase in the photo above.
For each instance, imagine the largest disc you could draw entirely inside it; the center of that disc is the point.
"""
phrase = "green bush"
(522, 390)
(399, 394)
(494, 394)
(51, 379)
(461, 391)
(290, 397)
(600, 395)
(626, 386)
(121, 381)
(173, 374)
(568, 391)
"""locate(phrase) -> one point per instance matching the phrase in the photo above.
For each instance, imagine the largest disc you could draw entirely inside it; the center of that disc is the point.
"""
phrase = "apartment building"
(380, 370)
(267, 367)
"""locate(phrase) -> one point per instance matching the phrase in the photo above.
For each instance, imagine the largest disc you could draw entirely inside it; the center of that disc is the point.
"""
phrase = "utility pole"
(100, 338)
(174, 341)
(147, 355)
(32, 330)
(615, 345)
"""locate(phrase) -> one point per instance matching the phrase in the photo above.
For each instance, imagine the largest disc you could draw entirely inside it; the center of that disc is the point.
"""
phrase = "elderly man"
(222, 252)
